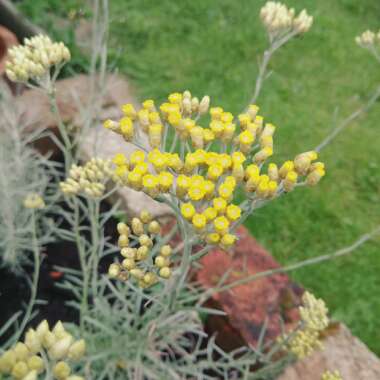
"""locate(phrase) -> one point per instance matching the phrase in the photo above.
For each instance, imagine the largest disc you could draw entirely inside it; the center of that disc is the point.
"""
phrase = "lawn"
(212, 47)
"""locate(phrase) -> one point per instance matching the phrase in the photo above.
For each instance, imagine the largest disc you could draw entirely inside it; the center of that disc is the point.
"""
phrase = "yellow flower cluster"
(89, 179)
(34, 59)
(331, 376)
(279, 20)
(176, 112)
(314, 319)
(141, 260)
(25, 360)
(211, 164)
(34, 201)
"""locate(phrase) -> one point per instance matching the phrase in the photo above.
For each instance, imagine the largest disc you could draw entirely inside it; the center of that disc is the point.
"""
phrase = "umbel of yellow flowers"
(202, 167)
(42, 348)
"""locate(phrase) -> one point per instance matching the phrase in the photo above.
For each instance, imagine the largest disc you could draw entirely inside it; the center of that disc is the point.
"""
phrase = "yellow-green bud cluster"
(89, 179)
(34, 201)
(328, 375)
(314, 319)
(280, 20)
(25, 360)
(34, 59)
(141, 260)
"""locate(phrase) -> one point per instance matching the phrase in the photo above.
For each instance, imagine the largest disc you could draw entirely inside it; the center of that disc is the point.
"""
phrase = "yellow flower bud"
(36, 363)
(273, 172)
(123, 241)
(20, 370)
(32, 375)
(196, 135)
(61, 370)
(21, 351)
(217, 128)
(42, 328)
(244, 120)
(226, 117)
(221, 225)
(149, 278)
(137, 273)
(128, 264)
(220, 205)
(272, 188)
(166, 250)
(238, 158)
(114, 270)
(155, 134)
(228, 132)
(165, 180)
(251, 170)
(210, 213)
(141, 168)
(214, 172)
(150, 184)
(154, 118)
(129, 111)
(212, 238)
(199, 221)
(137, 157)
(154, 227)
(263, 154)
(208, 135)
(142, 252)
(227, 241)
(216, 113)
(145, 240)
(165, 272)
(315, 176)
(123, 229)
(77, 350)
(225, 191)
(233, 212)
(187, 211)
(60, 349)
(290, 181)
(204, 105)
(175, 98)
(160, 261)
(286, 168)
(7, 361)
(126, 128)
(238, 171)
(252, 111)
(246, 140)
(149, 105)
(32, 341)
(120, 159)
(128, 252)
(196, 193)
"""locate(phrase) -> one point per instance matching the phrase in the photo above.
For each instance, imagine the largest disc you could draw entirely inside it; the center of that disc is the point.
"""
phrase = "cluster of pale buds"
(34, 59)
(34, 201)
(368, 39)
(89, 179)
(279, 20)
(314, 319)
(43, 350)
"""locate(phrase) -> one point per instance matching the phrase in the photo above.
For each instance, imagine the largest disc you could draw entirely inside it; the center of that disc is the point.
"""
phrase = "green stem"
(36, 275)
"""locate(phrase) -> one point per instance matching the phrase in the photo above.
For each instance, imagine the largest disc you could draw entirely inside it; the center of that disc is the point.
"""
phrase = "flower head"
(34, 59)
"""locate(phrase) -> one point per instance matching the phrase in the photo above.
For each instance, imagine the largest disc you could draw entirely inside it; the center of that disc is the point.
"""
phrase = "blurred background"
(212, 47)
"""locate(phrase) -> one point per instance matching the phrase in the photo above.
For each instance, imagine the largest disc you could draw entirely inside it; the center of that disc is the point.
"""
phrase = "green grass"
(211, 47)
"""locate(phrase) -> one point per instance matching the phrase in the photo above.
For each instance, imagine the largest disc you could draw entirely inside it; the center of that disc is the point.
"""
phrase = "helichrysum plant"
(44, 351)
(200, 158)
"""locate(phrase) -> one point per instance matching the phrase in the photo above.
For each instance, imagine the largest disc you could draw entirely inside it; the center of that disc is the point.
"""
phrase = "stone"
(265, 301)
(342, 352)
